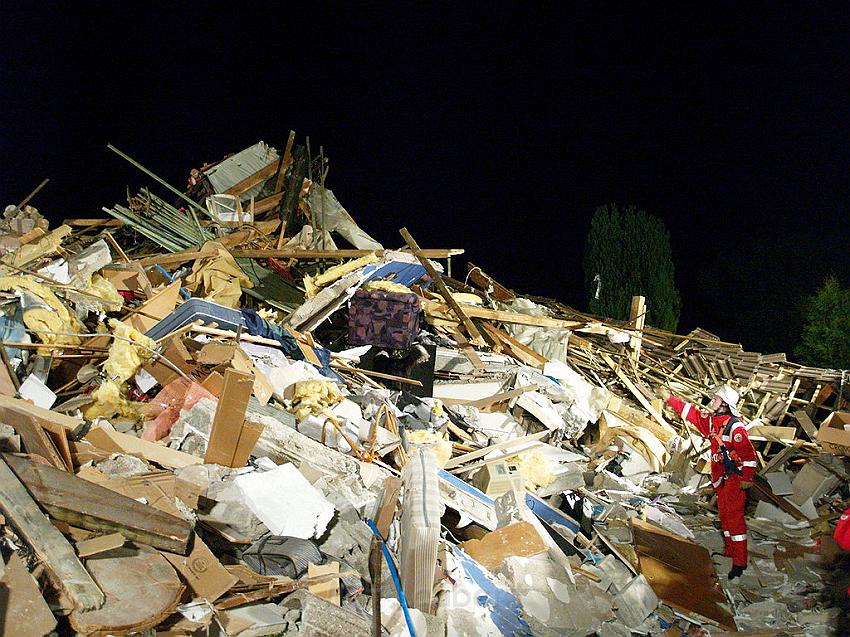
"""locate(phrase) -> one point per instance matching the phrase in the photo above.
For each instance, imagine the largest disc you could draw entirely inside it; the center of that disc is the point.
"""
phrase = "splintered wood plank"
(252, 180)
(806, 423)
(488, 284)
(637, 319)
(115, 441)
(636, 392)
(49, 544)
(518, 350)
(101, 544)
(473, 332)
(90, 506)
(466, 348)
(24, 612)
(681, 573)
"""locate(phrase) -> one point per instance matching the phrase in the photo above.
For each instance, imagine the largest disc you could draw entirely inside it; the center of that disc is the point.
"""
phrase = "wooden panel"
(681, 573)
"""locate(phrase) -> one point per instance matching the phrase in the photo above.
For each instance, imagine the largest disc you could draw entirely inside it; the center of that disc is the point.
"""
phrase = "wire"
(394, 573)
(120, 338)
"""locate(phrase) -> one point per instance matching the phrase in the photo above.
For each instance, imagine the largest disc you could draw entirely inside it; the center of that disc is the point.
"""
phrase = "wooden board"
(472, 330)
(115, 441)
(23, 613)
(681, 573)
(84, 504)
(47, 542)
(806, 423)
(228, 424)
(100, 544)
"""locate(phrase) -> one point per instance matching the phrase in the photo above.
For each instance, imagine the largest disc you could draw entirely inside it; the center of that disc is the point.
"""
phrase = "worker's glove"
(745, 484)
(663, 393)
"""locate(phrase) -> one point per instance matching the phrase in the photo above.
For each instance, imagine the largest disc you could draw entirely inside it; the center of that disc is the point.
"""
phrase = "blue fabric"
(255, 325)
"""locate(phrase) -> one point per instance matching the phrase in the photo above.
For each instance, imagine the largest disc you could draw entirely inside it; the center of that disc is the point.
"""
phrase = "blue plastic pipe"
(396, 581)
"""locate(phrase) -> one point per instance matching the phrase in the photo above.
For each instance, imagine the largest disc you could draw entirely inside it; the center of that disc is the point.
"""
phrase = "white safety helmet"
(728, 396)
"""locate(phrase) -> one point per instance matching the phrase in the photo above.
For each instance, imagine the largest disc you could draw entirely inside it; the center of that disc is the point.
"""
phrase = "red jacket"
(737, 443)
(842, 531)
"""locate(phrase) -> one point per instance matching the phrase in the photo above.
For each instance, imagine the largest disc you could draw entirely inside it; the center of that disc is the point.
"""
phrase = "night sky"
(495, 129)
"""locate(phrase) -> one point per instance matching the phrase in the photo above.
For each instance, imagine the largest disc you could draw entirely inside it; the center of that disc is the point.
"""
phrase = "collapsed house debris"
(216, 420)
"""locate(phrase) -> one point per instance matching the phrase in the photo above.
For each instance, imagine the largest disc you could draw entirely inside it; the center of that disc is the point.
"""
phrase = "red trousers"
(731, 501)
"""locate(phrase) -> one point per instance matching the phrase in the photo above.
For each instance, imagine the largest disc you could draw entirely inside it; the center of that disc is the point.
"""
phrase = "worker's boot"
(736, 571)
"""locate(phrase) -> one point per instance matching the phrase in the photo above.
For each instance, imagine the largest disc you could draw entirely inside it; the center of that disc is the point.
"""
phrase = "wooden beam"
(344, 253)
(488, 284)
(637, 393)
(252, 180)
(475, 335)
(637, 318)
(502, 316)
(91, 506)
(47, 542)
(521, 352)
(508, 444)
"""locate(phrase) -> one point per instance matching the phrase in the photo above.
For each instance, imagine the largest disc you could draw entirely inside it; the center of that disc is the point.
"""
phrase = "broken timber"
(475, 335)
(90, 506)
(46, 540)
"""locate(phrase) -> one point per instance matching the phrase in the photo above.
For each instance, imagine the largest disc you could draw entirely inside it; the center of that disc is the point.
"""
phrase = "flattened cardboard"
(202, 572)
(832, 435)
(228, 424)
(323, 581)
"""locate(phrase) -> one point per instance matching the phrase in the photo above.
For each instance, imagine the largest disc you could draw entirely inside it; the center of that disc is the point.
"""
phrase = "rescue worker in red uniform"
(733, 464)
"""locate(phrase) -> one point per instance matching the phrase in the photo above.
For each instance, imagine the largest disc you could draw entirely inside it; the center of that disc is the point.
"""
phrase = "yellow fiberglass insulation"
(104, 290)
(55, 319)
(439, 444)
(534, 469)
(387, 286)
(125, 358)
(218, 277)
(109, 401)
(314, 397)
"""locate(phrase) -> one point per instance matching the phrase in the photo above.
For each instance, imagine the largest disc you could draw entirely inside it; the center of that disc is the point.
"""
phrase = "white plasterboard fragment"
(145, 381)
(34, 390)
(536, 605)
(635, 602)
(286, 502)
(392, 619)
(541, 408)
(466, 391)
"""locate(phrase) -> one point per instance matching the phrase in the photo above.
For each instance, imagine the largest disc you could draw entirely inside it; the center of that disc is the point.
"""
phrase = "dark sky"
(497, 129)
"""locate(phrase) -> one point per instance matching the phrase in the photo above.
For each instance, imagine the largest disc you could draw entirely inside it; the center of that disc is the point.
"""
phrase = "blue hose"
(396, 581)
(171, 278)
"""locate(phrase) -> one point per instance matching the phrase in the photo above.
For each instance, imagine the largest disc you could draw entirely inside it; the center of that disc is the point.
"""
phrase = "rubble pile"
(231, 411)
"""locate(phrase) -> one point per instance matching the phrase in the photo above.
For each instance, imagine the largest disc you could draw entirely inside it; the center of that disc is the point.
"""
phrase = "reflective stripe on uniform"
(686, 410)
(738, 538)
(750, 463)
(726, 533)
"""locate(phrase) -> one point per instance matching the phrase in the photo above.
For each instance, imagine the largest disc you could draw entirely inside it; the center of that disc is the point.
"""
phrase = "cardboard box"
(832, 435)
